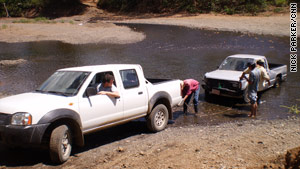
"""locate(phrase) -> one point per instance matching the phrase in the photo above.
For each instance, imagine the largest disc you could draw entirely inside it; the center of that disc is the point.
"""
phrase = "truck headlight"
(21, 119)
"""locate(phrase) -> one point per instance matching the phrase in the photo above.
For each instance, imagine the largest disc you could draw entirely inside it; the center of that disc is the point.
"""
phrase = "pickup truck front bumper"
(22, 135)
(223, 91)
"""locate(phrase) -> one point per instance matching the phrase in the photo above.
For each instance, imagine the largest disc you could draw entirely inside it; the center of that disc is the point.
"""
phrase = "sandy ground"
(268, 25)
(250, 144)
(253, 144)
(74, 33)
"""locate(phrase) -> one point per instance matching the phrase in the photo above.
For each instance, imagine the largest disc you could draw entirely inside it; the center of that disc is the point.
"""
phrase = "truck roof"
(101, 67)
(256, 57)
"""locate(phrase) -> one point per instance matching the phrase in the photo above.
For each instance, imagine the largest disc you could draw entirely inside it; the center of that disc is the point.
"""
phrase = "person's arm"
(112, 94)
(243, 76)
(250, 79)
(185, 97)
(265, 76)
(247, 71)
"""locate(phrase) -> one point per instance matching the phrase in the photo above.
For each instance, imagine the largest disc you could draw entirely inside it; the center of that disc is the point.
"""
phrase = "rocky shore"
(251, 144)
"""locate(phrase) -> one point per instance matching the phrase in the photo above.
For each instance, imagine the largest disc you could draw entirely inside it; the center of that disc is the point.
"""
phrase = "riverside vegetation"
(55, 8)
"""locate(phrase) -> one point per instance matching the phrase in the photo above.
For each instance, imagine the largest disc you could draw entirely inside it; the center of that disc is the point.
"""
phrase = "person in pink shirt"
(190, 87)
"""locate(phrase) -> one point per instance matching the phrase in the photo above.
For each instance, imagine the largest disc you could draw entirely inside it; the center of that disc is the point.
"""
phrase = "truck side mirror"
(91, 91)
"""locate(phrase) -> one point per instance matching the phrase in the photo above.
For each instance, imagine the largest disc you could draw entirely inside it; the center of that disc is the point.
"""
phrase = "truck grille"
(223, 84)
(3, 118)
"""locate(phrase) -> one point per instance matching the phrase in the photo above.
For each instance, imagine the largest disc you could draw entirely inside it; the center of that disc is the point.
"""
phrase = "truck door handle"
(140, 93)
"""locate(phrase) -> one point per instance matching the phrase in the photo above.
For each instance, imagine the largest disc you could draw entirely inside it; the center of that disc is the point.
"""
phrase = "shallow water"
(167, 52)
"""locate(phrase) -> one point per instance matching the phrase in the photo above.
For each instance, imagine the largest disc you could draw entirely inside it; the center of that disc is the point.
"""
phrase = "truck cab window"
(98, 79)
(129, 78)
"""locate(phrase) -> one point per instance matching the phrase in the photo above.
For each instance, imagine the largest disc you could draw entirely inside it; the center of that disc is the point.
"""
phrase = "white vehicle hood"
(37, 104)
(224, 75)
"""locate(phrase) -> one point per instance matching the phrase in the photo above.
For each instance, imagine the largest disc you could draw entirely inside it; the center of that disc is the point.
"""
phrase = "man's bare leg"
(255, 109)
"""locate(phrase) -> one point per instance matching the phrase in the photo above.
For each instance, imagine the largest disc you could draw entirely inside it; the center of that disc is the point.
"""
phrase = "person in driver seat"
(107, 87)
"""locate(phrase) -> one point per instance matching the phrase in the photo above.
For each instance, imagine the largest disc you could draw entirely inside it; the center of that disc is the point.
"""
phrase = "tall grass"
(293, 108)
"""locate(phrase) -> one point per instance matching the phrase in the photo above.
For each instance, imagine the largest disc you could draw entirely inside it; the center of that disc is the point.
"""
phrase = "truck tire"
(60, 145)
(158, 118)
(277, 82)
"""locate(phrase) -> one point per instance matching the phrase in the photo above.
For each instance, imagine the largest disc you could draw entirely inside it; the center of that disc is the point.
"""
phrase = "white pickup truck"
(225, 81)
(67, 106)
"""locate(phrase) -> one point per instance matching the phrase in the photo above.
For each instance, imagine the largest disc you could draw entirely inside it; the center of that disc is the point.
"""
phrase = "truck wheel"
(277, 82)
(158, 118)
(60, 144)
(245, 96)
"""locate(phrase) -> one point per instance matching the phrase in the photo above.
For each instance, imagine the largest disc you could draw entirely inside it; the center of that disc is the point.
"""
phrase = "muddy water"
(167, 52)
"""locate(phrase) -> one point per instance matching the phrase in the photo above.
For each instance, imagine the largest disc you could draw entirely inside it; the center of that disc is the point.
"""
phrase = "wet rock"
(292, 158)
(120, 149)
(260, 142)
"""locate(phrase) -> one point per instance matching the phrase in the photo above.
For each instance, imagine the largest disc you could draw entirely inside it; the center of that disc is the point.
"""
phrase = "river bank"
(97, 26)
(251, 144)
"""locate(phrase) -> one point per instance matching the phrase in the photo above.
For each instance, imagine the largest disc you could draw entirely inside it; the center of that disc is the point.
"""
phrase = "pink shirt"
(190, 85)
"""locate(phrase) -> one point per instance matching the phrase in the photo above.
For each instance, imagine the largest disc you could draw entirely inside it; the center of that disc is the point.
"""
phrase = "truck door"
(99, 110)
(134, 94)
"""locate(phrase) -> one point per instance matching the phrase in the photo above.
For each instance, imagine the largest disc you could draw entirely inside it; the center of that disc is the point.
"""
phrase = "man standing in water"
(264, 76)
(253, 86)
(190, 87)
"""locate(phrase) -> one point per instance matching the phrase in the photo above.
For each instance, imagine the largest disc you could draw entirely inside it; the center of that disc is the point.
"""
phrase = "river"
(167, 52)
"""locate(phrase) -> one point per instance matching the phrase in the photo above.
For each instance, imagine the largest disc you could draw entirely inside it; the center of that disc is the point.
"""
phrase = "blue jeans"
(195, 100)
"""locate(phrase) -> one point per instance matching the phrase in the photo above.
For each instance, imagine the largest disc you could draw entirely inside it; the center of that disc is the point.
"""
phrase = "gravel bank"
(251, 144)
(277, 25)
(104, 31)
(76, 33)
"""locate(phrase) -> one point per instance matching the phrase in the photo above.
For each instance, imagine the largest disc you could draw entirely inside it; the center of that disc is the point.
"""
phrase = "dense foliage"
(20, 7)
(192, 6)
(69, 7)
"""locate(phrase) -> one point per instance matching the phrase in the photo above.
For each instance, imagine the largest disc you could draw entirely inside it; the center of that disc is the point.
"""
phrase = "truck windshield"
(237, 64)
(66, 83)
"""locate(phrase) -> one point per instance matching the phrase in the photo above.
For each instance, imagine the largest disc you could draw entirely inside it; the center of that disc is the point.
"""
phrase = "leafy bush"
(280, 3)
(4, 26)
(17, 8)
(192, 6)
(278, 10)
(228, 11)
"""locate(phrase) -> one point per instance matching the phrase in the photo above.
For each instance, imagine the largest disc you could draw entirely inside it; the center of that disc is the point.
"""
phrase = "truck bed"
(157, 81)
(274, 66)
